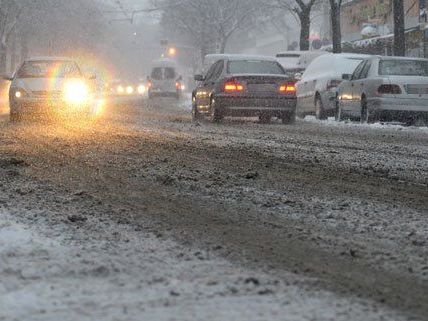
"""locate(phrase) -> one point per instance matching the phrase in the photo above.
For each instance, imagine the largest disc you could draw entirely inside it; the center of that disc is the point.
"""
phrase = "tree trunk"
(336, 31)
(399, 35)
(305, 26)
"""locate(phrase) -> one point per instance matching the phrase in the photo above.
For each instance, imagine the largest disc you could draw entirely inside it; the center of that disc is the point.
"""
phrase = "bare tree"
(302, 9)
(10, 12)
(399, 28)
(208, 23)
(336, 32)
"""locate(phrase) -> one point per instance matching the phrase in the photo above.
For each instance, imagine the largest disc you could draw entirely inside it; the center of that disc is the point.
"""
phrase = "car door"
(347, 90)
(203, 92)
(353, 105)
(358, 87)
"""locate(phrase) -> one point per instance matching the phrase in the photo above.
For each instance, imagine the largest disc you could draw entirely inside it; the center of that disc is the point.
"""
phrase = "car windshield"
(254, 67)
(403, 68)
(49, 69)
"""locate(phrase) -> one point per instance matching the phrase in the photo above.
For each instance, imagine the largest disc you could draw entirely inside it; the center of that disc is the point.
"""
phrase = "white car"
(385, 88)
(316, 91)
(296, 62)
(49, 85)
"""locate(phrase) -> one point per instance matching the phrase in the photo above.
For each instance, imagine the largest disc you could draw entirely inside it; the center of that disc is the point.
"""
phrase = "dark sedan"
(245, 86)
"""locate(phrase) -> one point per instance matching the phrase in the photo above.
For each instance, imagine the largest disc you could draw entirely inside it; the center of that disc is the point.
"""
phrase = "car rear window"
(254, 67)
(288, 56)
(402, 67)
(157, 74)
(169, 73)
(49, 69)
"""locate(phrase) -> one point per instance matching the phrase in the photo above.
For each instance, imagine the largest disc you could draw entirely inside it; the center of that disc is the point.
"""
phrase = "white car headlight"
(76, 92)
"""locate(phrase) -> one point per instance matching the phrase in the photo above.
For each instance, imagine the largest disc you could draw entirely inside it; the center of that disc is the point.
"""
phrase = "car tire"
(366, 116)
(215, 115)
(289, 118)
(196, 116)
(320, 113)
(338, 115)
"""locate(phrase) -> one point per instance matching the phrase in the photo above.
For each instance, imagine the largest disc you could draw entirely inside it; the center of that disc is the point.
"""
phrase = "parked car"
(296, 62)
(164, 80)
(385, 88)
(49, 85)
(316, 91)
(245, 86)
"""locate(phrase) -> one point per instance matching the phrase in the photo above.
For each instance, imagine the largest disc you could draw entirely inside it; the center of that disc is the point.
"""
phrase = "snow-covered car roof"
(400, 58)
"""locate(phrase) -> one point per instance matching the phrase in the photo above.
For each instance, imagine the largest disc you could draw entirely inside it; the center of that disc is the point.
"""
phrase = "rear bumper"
(398, 108)
(255, 106)
(398, 104)
(164, 93)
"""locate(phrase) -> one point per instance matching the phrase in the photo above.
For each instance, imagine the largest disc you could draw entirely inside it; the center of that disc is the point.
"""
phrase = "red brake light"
(149, 84)
(287, 89)
(389, 90)
(233, 86)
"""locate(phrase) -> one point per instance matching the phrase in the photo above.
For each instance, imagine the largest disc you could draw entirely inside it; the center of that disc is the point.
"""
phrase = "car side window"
(357, 73)
(210, 72)
(365, 71)
(218, 70)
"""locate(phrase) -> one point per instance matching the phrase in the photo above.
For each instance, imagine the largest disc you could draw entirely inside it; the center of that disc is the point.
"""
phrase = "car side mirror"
(199, 78)
(298, 76)
(346, 76)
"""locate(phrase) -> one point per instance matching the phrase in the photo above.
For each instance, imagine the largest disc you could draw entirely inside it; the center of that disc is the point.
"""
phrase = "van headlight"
(76, 92)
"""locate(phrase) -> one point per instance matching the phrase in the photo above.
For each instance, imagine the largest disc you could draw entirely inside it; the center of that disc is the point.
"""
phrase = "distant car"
(164, 80)
(296, 62)
(245, 86)
(49, 85)
(121, 88)
(385, 88)
(316, 90)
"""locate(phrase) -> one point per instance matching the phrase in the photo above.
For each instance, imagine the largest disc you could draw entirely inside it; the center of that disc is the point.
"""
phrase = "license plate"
(262, 87)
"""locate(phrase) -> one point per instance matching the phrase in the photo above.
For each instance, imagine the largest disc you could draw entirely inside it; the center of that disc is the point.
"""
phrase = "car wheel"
(319, 109)
(196, 116)
(366, 116)
(338, 111)
(288, 118)
(264, 119)
(215, 114)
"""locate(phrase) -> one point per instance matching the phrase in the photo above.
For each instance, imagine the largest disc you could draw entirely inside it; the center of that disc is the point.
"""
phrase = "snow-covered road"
(147, 216)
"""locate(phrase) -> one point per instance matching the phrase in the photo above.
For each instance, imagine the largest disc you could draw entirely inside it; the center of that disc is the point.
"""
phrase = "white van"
(164, 79)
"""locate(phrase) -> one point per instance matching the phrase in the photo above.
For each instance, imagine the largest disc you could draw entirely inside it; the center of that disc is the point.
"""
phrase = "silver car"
(385, 89)
(49, 85)
(316, 90)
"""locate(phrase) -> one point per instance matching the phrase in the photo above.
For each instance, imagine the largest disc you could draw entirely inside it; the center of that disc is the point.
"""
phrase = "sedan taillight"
(389, 90)
(287, 88)
(233, 86)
